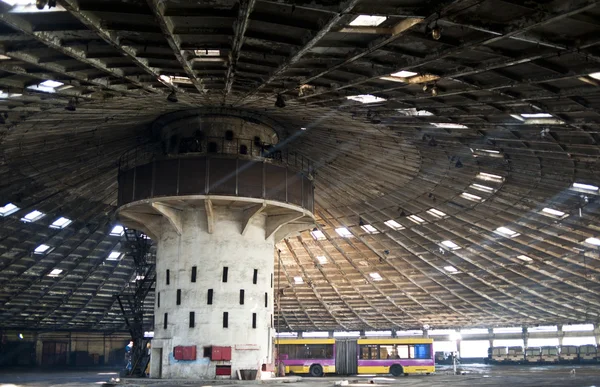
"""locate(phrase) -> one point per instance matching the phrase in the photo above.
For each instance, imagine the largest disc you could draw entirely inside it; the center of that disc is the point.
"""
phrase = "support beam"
(147, 222)
(275, 222)
(210, 216)
(173, 215)
(250, 214)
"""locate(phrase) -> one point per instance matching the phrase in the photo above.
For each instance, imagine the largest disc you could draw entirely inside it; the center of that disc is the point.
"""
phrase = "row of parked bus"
(544, 355)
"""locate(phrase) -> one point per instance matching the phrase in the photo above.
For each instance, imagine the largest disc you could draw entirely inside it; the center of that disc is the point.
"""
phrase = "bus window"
(387, 352)
(421, 351)
(402, 351)
(368, 351)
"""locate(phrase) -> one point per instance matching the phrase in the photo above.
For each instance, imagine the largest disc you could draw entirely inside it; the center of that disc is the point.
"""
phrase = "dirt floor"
(474, 375)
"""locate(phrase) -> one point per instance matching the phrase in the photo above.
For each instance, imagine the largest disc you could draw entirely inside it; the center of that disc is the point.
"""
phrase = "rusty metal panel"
(192, 176)
(165, 178)
(250, 179)
(143, 182)
(222, 176)
(275, 184)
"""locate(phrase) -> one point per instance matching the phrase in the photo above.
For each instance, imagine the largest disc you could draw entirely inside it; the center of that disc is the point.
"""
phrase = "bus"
(317, 357)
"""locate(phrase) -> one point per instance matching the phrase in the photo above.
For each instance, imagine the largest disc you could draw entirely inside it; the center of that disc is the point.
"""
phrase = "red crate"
(220, 353)
(178, 352)
(184, 352)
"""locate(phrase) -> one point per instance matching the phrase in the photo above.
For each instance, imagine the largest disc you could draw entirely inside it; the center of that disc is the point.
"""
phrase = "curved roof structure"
(455, 144)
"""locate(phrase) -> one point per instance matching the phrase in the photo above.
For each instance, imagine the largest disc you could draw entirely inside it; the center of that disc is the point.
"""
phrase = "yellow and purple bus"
(396, 356)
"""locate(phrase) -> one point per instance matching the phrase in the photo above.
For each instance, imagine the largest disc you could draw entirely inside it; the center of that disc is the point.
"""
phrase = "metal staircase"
(139, 247)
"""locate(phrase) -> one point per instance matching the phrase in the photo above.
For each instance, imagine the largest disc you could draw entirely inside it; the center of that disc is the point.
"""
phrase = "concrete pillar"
(299, 334)
(597, 333)
(330, 334)
(425, 333)
(525, 336)
(491, 336)
(560, 334)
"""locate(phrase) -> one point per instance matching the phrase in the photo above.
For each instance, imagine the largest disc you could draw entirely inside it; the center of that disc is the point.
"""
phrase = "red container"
(220, 353)
(184, 353)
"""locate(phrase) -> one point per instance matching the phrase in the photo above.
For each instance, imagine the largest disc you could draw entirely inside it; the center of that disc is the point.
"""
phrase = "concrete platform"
(475, 375)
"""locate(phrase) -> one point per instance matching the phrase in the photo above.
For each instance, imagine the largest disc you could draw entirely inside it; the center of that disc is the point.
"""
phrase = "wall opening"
(168, 276)
(178, 296)
(255, 277)
(158, 300)
(254, 320)
(192, 319)
(241, 296)
(209, 299)
(225, 319)
(165, 320)
(266, 299)
(225, 270)
(194, 270)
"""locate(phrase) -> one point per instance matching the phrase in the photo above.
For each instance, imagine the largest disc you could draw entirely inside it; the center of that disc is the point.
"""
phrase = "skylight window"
(451, 269)
(414, 112)
(55, 272)
(375, 276)
(490, 177)
(471, 197)
(369, 229)
(593, 241)
(595, 76)
(33, 216)
(492, 151)
(366, 98)
(586, 187)
(207, 52)
(318, 235)
(451, 245)
(404, 74)
(343, 232)
(524, 258)
(298, 280)
(416, 219)
(4, 57)
(536, 115)
(554, 213)
(114, 256)
(483, 188)
(449, 125)
(48, 86)
(322, 259)
(41, 249)
(393, 225)
(435, 212)
(117, 230)
(367, 21)
(61, 223)
(8, 209)
(175, 79)
(507, 232)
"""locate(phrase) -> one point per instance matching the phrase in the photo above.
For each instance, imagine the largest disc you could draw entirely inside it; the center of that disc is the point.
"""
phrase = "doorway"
(54, 353)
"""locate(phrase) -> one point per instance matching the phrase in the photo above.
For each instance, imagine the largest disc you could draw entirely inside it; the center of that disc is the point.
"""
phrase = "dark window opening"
(225, 319)
(266, 299)
(212, 147)
(271, 280)
(255, 277)
(158, 300)
(192, 319)
(207, 352)
(168, 276)
(254, 320)
(229, 135)
(241, 296)
(243, 149)
(178, 296)
(210, 297)
(194, 270)
(165, 320)
(225, 270)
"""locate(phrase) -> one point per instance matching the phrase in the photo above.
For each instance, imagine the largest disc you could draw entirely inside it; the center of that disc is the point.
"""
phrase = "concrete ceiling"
(495, 60)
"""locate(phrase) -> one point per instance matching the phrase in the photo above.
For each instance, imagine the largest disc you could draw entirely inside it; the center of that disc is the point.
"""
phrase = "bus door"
(346, 357)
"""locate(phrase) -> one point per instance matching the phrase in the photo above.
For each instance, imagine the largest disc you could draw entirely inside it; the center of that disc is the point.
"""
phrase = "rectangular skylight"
(61, 222)
(8, 209)
(375, 276)
(207, 52)
(298, 280)
(33, 216)
(51, 83)
(536, 115)
(343, 232)
(449, 125)
(435, 212)
(524, 258)
(369, 229)
(416, 219)
(554, 213)
(490, 177)
(471, 197)
(593, 241)
(451, 245)
(414, 112)
(4, 57)
(55, 272)
(404, 74)
(595, 76)
(366, 98)
(488, 151)
(451, 269)
(367, 21)
(393, 225)
(114, 256)
(117, 230)
(322, 259)
(507, 232)
(483, 188)
(586, 187)
(318, 235)
(48, 86)
(41, 249)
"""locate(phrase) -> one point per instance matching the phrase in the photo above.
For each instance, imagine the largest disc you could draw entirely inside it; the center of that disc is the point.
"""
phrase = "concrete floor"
(476, 375)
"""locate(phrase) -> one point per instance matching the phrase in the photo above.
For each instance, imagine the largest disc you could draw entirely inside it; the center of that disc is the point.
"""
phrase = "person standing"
(128, 355)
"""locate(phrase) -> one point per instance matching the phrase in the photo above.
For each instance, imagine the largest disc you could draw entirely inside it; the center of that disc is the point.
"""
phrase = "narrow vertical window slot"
(209, 299)
(225, 270)
(225, 319)
(168, 276)
(165, 321)
(271, 280)
(254, 320)
(241, 296)
(255, 277)
(194, 270)
(266, 299)
(158, 300)
(178, 296)
(192, 319)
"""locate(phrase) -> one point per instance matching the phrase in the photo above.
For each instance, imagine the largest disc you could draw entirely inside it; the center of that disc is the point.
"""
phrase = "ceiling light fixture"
(366, 98)
(61, 223)
(33, 216)
(404, 74)
(436, 32)
(450, 245)
(593, 241)
(8, 209)
(117, 230)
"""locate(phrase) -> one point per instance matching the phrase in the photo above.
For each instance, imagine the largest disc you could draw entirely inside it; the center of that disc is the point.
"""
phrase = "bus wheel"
(396, 370)
(316, 370)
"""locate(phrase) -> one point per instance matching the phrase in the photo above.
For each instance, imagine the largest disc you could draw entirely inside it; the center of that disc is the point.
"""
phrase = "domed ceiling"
(455, 146)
